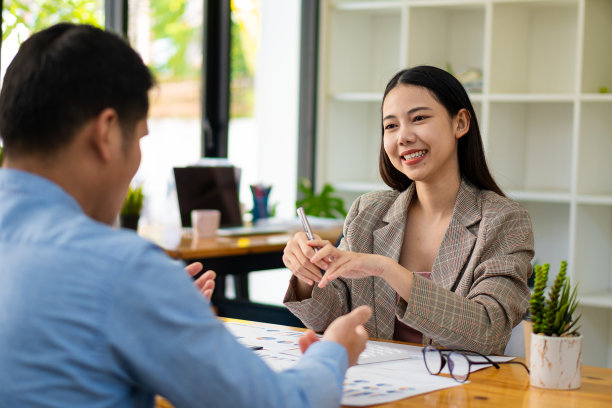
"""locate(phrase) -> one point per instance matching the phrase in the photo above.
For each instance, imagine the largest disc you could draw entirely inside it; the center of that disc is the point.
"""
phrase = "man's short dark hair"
(64, 76)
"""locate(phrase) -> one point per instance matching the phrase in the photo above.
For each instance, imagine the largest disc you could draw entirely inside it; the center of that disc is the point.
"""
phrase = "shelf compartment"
(363, 49)
(597, 47)
(350, 152)
(593, 255)
(534, 47)
(596, 329)
(550, 223)
(594, 164)
(529, 146)
(443, 35)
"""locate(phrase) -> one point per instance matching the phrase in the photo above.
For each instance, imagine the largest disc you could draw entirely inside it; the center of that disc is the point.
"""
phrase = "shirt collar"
(19, 181)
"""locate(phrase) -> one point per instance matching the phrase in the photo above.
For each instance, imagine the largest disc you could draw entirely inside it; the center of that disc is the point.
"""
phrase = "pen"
(305, 224)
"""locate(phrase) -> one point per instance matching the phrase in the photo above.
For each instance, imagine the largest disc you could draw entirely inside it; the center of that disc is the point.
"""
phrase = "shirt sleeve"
(166, 339)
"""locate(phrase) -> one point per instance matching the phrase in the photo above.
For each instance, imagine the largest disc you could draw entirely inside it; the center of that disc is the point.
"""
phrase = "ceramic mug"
(205, 223)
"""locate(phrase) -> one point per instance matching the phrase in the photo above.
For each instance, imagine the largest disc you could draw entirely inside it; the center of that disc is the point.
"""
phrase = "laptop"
(208, 188)
(216, 187)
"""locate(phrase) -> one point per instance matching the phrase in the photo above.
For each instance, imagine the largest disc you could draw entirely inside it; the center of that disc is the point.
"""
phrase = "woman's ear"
(461, 123)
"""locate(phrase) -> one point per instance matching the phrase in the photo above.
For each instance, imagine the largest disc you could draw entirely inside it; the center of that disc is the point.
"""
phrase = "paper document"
(365, 384)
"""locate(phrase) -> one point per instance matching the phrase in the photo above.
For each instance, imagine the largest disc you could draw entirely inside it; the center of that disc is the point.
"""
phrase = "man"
(94, 316)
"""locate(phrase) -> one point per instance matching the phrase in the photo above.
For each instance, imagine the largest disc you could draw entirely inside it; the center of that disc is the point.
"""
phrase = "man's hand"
(348, 330)
(206, 282)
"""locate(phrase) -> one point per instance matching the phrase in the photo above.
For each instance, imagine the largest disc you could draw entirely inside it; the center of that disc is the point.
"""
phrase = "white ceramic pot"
(555, 362)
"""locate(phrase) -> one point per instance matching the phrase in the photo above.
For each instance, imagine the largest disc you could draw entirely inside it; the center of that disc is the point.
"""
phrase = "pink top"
(404, 332)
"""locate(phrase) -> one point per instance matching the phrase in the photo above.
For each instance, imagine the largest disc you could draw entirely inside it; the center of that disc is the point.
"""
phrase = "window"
(168, 35)
(264, 103)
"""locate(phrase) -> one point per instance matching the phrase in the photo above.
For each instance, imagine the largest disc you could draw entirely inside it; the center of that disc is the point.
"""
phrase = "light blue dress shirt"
(95, 317)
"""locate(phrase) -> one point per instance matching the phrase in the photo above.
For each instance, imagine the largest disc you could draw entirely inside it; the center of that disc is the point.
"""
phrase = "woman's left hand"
(353, 265)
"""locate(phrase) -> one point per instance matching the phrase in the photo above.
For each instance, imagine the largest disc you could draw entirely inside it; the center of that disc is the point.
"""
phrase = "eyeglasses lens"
(433, 360)
(459, 366)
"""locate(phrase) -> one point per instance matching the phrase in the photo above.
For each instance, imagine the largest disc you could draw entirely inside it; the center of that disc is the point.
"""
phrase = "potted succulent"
(130, 212)
(556, 346)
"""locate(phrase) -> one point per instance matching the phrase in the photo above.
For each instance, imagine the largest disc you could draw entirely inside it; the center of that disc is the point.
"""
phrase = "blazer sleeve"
(328, 303)
(496, 285)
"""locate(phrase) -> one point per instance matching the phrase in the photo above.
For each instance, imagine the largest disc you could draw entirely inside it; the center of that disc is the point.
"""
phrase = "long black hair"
(447, 90)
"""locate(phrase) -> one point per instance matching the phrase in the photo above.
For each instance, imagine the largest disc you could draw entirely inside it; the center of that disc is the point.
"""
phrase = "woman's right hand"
(296, 257)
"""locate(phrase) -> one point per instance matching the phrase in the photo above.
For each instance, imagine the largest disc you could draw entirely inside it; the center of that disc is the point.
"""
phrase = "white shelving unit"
(546, 126)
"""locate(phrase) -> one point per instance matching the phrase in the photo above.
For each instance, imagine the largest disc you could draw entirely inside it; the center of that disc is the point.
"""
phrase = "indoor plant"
(130, 212)
(556, 345)
(322, 204)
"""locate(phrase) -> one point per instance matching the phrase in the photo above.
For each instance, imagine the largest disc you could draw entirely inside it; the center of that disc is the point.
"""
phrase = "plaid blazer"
(478, 289)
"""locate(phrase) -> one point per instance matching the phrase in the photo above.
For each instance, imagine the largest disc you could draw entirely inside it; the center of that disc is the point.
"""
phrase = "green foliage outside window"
(36, 15)
(170, 23)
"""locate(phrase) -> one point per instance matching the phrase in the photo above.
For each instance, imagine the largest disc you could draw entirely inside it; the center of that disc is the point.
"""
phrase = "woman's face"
(419, 136)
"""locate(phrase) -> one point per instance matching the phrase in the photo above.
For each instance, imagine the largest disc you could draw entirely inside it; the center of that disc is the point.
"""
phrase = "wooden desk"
(508, 387)
(236, 256)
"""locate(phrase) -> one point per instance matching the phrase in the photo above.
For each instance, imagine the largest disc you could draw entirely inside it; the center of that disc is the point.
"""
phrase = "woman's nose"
(406, 135)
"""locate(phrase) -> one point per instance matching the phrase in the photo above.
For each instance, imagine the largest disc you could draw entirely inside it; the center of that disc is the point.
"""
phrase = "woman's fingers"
(301, 267)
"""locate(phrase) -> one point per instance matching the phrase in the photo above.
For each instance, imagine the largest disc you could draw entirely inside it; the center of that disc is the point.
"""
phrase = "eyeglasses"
(459, 364)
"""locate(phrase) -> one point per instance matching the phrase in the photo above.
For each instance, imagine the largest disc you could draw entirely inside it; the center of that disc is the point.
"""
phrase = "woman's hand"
(353, 265)
(296, 257)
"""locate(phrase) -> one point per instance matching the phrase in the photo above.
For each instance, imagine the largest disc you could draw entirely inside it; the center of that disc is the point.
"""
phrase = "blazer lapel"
(458, 242)
(387, 241)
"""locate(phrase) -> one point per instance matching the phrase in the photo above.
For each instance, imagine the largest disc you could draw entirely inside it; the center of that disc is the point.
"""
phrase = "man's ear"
(462, 123)
(106, 133)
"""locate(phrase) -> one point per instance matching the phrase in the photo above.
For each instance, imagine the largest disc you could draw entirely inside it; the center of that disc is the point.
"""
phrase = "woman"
(441, 259)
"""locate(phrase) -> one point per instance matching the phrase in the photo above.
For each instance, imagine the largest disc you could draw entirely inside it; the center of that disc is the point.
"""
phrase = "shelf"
(360, 187)
(358, 97)
(367, 5)
(540, 196)
(600, 299)
(542, 108)
(522, 97)
(597, 97)
(594, 199)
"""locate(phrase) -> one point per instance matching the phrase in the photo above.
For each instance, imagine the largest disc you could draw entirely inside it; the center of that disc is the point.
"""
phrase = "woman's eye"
(419, 118)
(389, 126)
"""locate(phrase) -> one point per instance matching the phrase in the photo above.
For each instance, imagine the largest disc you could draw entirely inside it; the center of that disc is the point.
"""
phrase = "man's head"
(74, 91)
(64, 76)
